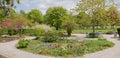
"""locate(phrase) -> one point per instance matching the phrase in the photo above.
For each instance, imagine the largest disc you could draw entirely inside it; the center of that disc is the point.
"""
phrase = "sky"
(43, 5)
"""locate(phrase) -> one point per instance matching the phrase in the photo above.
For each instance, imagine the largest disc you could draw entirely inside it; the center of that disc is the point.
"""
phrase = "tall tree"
(91, 6)
(53, 16)
(113, 15)
(36, 16)
(83, 20)
(23, 13)
(6, 6)
(69, 23)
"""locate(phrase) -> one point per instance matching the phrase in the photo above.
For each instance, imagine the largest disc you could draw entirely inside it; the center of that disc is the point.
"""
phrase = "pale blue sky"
(43, 5)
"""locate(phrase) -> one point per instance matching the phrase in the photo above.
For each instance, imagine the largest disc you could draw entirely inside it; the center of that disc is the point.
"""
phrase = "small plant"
(23, 43)
(67, 47)
(50, 37)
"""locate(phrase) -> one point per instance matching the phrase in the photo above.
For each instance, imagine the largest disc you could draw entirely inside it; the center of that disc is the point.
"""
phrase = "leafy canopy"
(53, 16)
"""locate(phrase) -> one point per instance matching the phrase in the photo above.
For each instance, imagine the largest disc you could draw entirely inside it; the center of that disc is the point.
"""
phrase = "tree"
(91, 6)
(83, 20)
(17, 23)
(36, 16)
(69, 23)
(113, 16)
(100, 17)
(6, 6)
(53, 16)
(6, 9)
(23, 13)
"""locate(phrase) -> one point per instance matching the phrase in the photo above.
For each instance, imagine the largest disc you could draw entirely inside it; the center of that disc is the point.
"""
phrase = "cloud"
(43, 5)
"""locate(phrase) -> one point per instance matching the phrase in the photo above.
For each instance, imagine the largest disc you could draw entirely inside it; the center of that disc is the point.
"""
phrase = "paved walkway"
(8, 49)
(113, 52)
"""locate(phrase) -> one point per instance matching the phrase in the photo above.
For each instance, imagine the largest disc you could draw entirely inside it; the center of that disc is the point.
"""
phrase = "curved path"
(8, 49)
(113, 52)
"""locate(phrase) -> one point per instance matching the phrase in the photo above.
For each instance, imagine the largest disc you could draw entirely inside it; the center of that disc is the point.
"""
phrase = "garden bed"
(8, 39)
(66, 48)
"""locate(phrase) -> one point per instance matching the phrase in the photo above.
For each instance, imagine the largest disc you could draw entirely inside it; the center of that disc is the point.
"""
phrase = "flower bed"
(66, 47)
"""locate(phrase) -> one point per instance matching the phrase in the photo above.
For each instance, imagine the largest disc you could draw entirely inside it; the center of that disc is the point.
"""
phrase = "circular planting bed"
(64, 47)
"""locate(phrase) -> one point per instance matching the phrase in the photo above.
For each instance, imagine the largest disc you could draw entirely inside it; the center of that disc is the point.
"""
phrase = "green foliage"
(23, 43)
(96, 9)
(12, 32)
(68, 41)
(12, 13)
(6, 6)
(50, 37)
(53, 16)
(36, 16)
(97, 45)
(69, 23)
(23, 13)
(113, 15)
(118, 30)
(43, 26)
(39, 32)
(67, 47)
(83, 19)
(18, 22)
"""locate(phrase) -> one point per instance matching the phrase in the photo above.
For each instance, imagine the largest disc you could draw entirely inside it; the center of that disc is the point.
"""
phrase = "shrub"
(43, 26)
(110, 32)
(3, 31)
(23, 43)
(118, 30)
(11, 32)
(50, 37)
(39, 32)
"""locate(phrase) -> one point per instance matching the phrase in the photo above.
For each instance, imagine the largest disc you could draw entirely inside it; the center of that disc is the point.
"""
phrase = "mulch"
(8, 39)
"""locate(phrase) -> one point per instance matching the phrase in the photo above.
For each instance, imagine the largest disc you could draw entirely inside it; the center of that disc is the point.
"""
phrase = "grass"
(66, 47)
(84, 31)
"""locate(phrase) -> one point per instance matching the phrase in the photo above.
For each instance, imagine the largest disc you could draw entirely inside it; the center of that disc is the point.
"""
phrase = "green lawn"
(87, 31)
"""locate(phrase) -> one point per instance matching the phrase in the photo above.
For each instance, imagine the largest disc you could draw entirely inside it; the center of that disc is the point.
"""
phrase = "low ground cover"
(64, 47)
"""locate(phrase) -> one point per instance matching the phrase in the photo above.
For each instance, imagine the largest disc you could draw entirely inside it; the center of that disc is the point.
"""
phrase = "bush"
(110, 32)
(118, 30)
(50, 37)
(23, 43)
(12, 32)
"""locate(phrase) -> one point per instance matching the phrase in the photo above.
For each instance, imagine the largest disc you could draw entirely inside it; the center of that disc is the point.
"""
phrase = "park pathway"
(8, 50)
(113, 52)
